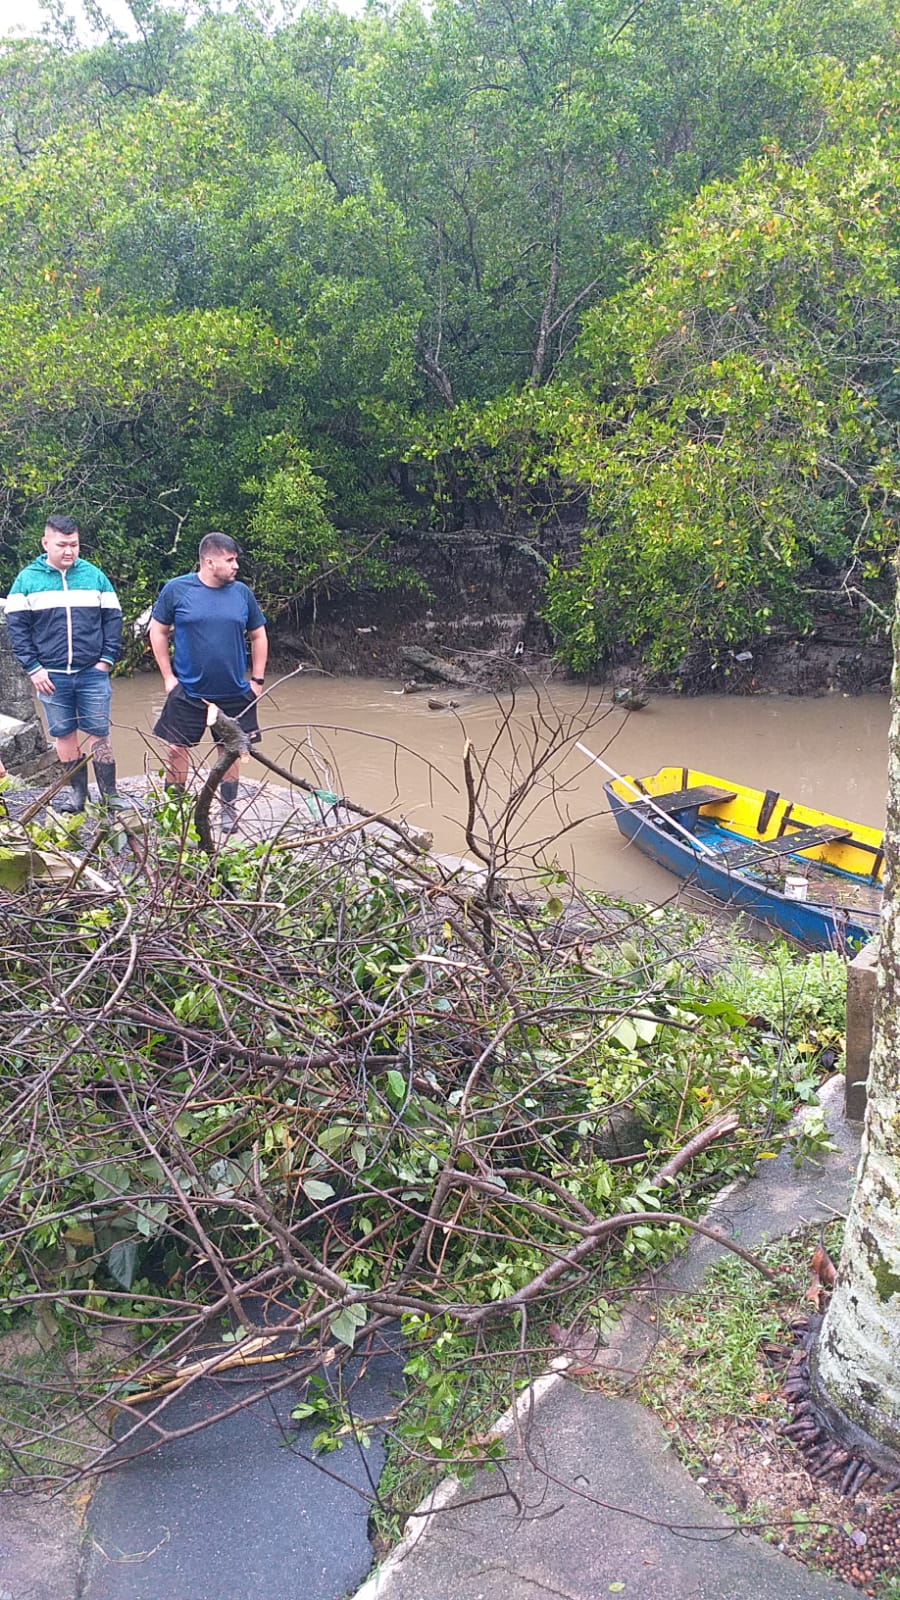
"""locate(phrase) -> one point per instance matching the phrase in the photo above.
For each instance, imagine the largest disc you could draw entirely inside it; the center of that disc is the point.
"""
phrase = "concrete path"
(601, 1508)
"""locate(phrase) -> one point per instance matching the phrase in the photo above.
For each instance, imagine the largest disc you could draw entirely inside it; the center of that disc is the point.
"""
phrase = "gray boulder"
(23, 742)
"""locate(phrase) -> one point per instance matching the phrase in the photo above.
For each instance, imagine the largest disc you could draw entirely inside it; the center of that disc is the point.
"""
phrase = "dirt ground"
(755, 1472)
(40, 1549)
(746, 1465)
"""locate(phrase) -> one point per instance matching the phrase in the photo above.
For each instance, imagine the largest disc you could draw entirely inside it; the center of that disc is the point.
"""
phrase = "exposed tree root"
(835, 1450)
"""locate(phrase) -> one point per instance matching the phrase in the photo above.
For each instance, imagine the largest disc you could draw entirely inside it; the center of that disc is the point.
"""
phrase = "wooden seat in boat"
(746, 854)
(684, 799)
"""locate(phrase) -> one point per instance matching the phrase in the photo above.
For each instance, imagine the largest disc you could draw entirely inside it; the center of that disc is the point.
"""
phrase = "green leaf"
(9, 1171)
(625, 1033)
(331, 1138)
(151, 1217)
(122, 1262)
(346, 1323)
(77, 1234)
(717, 1008)
(110, 1181)
(396, 1084)
(15, 868)
(317, 1189)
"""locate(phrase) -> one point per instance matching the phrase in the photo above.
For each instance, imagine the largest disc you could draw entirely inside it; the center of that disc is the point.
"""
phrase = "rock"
(22, 738)
(437, 705)
(472, 879)
(11, 732)
(630, 699)
(433, 667)
(624, 1134)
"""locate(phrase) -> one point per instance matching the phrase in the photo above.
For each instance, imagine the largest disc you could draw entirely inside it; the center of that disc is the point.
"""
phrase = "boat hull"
(671, 841)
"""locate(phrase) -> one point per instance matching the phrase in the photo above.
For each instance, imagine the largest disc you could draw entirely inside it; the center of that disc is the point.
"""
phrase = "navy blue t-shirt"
(210, 651)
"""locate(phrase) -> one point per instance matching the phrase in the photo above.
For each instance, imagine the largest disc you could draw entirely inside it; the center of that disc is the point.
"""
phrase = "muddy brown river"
(386, 750)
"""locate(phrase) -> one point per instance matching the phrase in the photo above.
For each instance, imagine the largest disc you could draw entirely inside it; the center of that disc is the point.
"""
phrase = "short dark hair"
(61, 524)
(221, 542)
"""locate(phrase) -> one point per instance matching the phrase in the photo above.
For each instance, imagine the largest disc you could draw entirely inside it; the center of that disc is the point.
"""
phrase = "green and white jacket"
(63, 621)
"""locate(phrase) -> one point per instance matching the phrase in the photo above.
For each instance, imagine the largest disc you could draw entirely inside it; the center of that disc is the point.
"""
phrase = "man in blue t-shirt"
(210, 616)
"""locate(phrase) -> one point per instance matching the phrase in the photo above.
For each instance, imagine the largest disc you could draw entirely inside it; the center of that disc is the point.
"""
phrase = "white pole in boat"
(645, 799)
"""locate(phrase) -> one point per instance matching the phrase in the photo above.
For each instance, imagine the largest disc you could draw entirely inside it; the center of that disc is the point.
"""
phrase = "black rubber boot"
(228, 793)
(105, 773)
(73, 798)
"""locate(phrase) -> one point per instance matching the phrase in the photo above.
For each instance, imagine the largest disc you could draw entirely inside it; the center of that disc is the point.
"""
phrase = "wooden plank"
(747, 855)
(685, 799)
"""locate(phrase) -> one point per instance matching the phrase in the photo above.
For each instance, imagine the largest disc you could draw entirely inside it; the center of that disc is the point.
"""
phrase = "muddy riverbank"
(477, 602)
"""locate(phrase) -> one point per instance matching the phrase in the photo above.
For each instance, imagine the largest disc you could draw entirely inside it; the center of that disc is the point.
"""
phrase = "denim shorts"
(80, 701)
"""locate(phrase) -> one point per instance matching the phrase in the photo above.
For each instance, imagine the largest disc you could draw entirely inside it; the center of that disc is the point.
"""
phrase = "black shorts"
(182, 721)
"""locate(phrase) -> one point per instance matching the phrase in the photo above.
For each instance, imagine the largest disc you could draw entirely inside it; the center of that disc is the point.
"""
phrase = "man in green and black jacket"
(65, 626)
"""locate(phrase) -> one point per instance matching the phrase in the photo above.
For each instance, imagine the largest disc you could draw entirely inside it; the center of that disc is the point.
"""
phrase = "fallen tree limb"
(728, 1122)
(595, 1236)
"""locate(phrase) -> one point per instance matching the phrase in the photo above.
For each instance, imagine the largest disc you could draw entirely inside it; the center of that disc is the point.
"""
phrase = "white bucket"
(795, 888)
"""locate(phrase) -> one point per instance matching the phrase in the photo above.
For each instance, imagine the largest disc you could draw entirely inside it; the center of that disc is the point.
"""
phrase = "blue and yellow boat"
(815, 877)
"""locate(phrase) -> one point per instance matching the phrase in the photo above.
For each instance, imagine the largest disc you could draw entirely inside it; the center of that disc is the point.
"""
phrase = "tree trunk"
(856, 1365)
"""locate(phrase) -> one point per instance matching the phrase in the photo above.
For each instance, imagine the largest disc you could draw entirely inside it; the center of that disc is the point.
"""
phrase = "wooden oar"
(692, 838)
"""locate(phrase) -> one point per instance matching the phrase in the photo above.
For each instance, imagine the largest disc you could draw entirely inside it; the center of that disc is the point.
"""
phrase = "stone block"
(862, 973)
(15, 690)
(23, 741)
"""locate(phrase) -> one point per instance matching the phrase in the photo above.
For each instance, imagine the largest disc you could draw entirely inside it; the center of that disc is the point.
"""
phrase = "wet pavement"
(243, 1508)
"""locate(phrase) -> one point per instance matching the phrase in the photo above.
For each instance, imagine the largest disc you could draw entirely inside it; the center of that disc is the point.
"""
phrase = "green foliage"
(793, 994)
(717, 1339)
(495, 455)
(755, 439)
(337, 1424)
(294, 545)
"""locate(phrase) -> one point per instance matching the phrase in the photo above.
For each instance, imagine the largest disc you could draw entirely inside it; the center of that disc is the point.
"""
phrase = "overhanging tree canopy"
(737, 430)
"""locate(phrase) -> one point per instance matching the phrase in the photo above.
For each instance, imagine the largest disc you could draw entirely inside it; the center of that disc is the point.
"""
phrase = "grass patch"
(721, 1354)
(708, 1366)
(46, 1430)
(715, 1384)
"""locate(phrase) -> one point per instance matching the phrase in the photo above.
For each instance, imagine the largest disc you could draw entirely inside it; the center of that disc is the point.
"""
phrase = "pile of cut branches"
(263, 1104)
